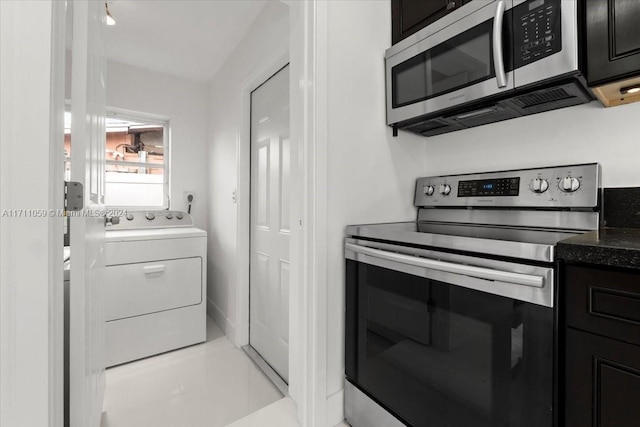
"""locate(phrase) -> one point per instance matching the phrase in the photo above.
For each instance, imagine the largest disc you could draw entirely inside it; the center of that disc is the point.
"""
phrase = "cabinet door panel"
(602, 381)
(613, 40)
(605, 302)
(414, 12)
(410, 16)
(626, 29)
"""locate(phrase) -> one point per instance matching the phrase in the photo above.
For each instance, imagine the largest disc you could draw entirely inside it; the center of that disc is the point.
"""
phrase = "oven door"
(441, 339)
(464, 61)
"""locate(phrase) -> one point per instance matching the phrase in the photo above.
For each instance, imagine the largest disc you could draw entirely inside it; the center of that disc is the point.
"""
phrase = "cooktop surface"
(517, 242)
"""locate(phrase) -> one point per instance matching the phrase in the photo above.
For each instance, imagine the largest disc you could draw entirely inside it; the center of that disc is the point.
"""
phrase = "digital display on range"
(489, 187)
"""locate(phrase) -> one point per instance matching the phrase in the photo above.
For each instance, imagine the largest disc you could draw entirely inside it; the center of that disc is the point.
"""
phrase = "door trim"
(309, 246)
(31, 317)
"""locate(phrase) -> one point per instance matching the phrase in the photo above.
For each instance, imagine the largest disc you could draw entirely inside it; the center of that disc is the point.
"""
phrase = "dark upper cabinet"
(612, 35)
(410, 16)
(602, 347)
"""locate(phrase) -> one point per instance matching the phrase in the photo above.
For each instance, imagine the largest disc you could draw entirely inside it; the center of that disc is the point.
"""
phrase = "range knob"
(445, 189)
(428, 190)
(150, 216)
(169, 215)
(179, 215)
(569, 184)
(539, 185)
(129, 217)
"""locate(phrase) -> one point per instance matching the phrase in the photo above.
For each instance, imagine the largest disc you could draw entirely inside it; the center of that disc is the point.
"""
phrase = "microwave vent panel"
(433, 127)
(542, 97)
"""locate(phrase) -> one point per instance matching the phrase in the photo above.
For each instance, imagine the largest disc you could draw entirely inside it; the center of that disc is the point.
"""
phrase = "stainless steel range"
(450, 320)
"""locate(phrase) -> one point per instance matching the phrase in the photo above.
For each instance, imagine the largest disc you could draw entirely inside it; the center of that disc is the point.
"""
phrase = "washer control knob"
(539, 185)
(569, 184)
(179, 215)
(150, 216)
(129, 217)
(169, 215)
(428, 190)
(445, 189)
(111, 220)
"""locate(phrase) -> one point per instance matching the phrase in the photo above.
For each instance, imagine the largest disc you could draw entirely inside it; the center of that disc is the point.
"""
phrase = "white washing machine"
(154, 290)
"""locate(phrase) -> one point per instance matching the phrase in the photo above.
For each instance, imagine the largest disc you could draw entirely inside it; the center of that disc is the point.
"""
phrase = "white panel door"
(86, 319)
(270, 222)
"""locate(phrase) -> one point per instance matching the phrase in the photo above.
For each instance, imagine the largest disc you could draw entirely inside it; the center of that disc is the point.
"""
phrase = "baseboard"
(216, 314)
(231, 333)
(335, 408)
(227, 327)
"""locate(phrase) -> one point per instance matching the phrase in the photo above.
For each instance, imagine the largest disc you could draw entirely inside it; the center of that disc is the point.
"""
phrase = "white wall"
(585, 133)
(185, 103)
(372, 175)
(228, 125)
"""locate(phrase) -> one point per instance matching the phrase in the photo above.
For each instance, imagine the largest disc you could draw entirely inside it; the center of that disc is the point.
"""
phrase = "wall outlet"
(189, 197)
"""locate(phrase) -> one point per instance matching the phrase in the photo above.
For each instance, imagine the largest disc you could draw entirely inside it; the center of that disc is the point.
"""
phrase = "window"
(136, 169)
(136, 160)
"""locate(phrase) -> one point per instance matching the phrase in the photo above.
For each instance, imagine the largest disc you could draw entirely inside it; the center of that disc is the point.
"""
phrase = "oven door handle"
(448, 267)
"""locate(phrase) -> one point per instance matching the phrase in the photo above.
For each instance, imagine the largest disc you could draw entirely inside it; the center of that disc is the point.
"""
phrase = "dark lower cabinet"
(602, 347)
(612, 33)
(410, 16)
(602, 381)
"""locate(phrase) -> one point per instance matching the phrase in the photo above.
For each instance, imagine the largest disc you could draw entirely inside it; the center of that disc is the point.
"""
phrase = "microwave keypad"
(537, 30)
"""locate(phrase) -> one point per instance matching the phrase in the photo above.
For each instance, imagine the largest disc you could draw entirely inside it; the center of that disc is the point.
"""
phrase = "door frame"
(309, 171)
(306, 54)
(31, 300)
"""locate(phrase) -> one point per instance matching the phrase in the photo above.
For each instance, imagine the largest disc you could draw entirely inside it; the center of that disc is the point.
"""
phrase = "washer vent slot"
(542, 97)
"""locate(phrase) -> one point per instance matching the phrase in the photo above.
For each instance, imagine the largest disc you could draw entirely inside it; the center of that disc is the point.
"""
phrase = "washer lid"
(153, 234)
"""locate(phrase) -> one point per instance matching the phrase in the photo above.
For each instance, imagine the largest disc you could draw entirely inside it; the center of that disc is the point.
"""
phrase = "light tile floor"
(279, 414)
(206, 385)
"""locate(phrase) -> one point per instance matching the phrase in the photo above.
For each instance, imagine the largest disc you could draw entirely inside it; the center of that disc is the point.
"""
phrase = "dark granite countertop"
(614, 247)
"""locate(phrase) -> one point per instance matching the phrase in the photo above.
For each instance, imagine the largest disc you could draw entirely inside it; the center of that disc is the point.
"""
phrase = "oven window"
(461, 61)
(436, 354)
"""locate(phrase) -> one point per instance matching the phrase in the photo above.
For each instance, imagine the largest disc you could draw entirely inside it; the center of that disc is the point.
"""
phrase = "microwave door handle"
(448, 267)
(498, 55)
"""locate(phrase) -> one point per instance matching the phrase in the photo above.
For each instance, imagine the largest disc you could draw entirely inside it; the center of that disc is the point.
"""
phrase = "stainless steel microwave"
(488, 61)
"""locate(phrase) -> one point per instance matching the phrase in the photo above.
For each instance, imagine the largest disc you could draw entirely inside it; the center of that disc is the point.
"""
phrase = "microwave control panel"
(537, 30)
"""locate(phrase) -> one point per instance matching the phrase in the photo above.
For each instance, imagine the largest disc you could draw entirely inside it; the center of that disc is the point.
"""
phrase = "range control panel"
(572, 186)
(537, 28)
(135, 220)
(489, 187)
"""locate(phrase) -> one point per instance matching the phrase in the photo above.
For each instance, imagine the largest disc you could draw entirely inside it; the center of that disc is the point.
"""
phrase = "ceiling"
(185, 38)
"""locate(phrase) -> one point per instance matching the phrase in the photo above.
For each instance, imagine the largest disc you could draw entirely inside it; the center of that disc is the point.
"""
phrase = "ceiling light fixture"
(630, 89)
(109, 18)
